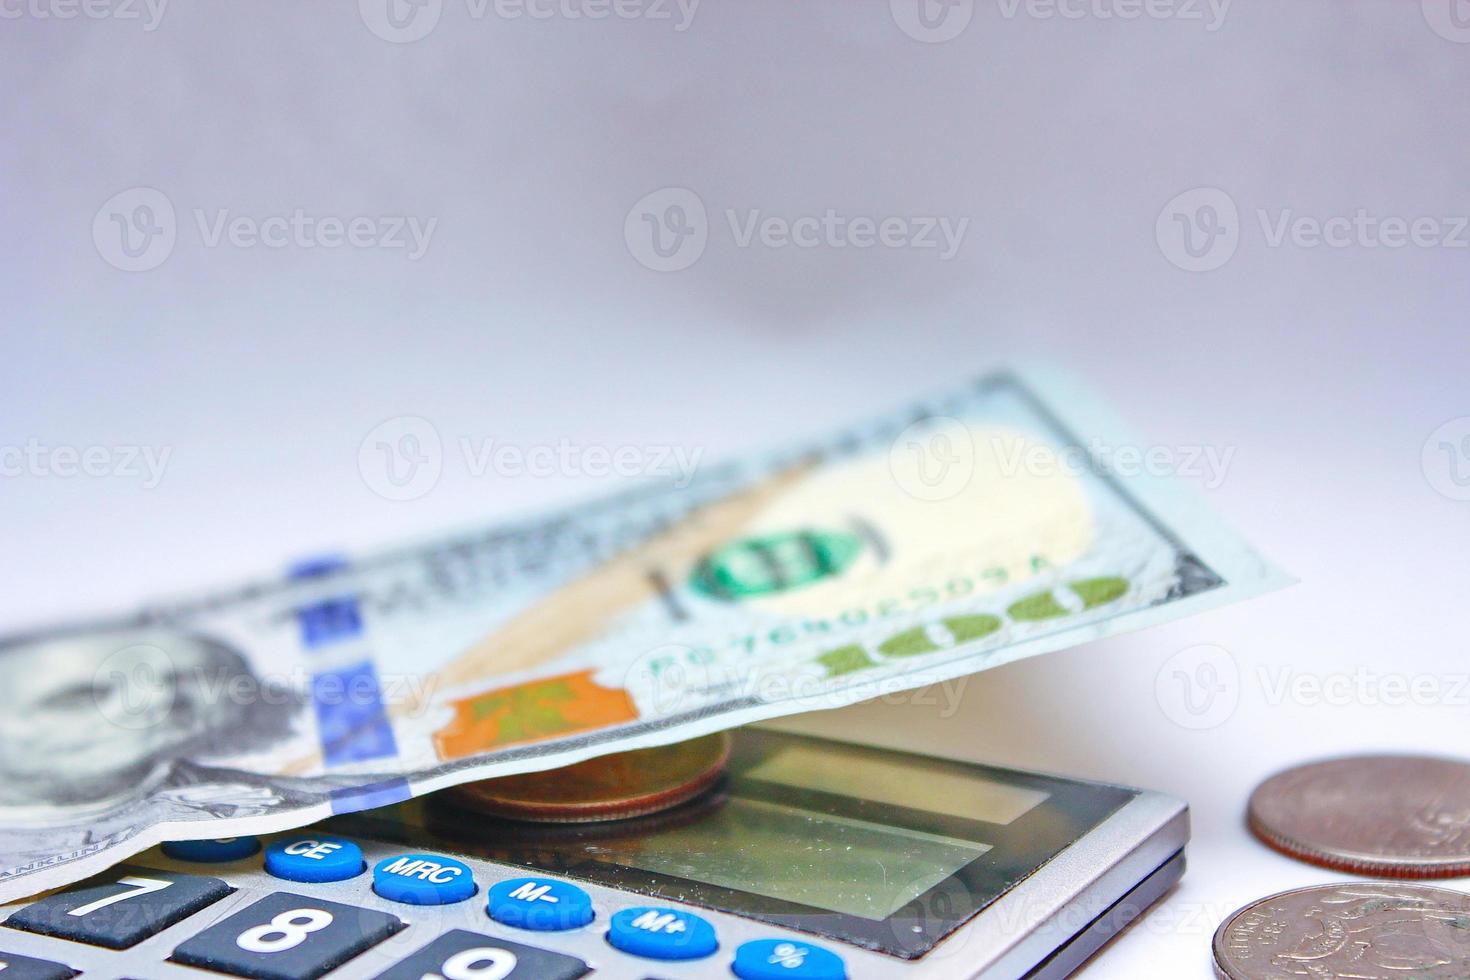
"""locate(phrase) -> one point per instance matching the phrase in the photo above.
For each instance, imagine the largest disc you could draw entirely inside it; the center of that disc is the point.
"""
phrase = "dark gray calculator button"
(460, 953)
(121, 908)
(287, 937)
(14, 967)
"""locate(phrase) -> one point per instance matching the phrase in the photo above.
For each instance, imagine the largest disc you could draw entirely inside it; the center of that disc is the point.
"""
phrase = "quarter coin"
(1376, 930)
(1394, 816)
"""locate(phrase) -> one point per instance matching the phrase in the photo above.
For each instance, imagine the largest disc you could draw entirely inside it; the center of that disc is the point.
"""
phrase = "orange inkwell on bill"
(531, 712)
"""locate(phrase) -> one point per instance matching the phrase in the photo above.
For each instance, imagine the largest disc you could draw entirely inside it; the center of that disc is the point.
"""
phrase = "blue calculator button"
(542, 904)
(662, 934)
(313, 858)
(787, 959)
(423, 879)
(212, 851)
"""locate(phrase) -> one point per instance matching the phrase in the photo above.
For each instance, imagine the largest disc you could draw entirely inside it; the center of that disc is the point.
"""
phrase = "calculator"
(810, 859)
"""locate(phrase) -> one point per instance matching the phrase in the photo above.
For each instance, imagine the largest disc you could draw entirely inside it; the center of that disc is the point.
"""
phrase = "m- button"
(542, 904)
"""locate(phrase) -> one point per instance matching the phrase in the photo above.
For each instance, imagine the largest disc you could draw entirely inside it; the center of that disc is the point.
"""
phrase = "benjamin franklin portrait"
(93, 720)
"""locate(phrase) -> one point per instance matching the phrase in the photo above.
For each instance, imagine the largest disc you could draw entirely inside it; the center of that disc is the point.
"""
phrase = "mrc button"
(423, 879)
(786, 959)
(542, 904)
(662, 934)
(313, 858)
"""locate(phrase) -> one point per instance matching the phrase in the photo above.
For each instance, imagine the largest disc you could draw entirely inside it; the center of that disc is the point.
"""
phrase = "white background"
(529, 321)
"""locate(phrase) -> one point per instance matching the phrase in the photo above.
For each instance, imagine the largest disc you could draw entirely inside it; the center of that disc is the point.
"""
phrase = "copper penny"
(1380, 930)
(610, 787)
(1397, 816)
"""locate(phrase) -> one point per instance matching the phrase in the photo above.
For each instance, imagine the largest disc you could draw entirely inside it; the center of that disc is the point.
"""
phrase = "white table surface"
(1324, 370)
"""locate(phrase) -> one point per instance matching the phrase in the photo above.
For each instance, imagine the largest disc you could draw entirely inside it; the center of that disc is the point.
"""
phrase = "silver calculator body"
(809, 853)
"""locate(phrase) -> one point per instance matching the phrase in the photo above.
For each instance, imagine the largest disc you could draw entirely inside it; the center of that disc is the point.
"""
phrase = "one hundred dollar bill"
(1005, 518)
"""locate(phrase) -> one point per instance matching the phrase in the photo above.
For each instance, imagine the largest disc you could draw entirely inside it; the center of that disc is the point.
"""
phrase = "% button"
(780, 959)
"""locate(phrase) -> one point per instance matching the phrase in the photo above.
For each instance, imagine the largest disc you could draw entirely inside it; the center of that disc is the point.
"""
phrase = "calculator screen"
(822, 860)
(879, 849)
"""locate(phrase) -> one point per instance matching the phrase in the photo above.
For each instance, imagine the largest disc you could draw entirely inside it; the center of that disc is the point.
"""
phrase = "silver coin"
(1394, 816)
(1375, 930)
